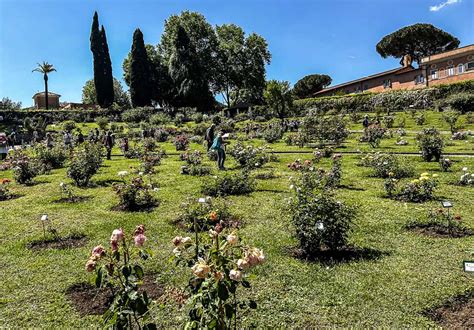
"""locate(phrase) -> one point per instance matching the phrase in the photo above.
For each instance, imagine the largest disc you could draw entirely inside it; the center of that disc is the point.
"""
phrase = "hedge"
(394, 100)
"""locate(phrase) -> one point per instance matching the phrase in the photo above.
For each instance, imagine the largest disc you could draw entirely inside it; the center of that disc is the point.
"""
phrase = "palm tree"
(45, 68)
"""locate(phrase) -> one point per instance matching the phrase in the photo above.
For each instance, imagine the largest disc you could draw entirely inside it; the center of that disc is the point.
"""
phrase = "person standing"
(109, 143)
(67, 139)
(210, 136)
(49, 141)
(97, 135)
(124, 145)
(3, 146)
(218, 145)
(366, 122)
(80, 137)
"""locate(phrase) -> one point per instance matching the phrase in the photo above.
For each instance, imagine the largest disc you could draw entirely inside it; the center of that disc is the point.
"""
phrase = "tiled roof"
(49, 94)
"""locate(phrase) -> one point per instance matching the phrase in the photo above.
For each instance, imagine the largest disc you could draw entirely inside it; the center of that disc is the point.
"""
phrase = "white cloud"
(443, 4)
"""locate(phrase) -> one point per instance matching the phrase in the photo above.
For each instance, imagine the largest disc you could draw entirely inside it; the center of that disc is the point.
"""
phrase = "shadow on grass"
(73, 200)
(343, 255)
(12, 196)
(105, 183)
(351, 187)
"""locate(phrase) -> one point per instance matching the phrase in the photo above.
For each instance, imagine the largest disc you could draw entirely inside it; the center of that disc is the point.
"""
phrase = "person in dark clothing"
(366, 122)
(97, 134)
(80, 137)
(109, 143)
(210, 136)
(124, 145)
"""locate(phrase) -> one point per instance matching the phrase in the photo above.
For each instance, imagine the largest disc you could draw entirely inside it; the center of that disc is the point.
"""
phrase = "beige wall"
(40, 102)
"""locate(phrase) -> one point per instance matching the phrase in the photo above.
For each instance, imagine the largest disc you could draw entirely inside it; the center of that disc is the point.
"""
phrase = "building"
(40, 100)
(444, 68)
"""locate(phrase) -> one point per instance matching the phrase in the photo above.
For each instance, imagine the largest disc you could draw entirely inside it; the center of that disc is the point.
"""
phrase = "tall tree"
(121, 97)
(188, 75)
(241, 61)
(103, 78)
(45, 68)
(279, 98)
(310, 84)
(108, 77)
(140, 78)
(418, 41)
(183, 35)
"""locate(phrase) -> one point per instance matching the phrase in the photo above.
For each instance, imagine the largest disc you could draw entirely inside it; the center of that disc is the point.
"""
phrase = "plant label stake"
(469, 266)
(44, 219)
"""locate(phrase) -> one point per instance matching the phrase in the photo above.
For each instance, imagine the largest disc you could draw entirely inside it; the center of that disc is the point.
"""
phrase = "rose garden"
(315, 221)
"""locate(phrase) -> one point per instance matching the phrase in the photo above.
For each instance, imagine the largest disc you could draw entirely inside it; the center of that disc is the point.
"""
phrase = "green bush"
(462, 102)
(388, 165)
(430, 143)
(102, 122)
(49, 158)
(160, 119)
(85, 162)
(205, 213)
(136, 195)
(24, 168)
(321, 221)
(324, 129)
(137, 115)
(69, 125)
(250, 157)
(229, 184)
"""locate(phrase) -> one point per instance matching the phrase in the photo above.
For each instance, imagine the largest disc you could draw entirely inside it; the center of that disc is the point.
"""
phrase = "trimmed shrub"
(430, 143)
(229, 184)
(85, 162)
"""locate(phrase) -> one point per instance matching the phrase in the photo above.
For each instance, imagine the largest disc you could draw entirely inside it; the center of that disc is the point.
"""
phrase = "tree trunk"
(46, 91)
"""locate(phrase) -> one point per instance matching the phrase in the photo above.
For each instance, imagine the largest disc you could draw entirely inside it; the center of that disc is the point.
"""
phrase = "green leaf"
(99, 277)
(252, 304)
(222, 291)
(126, 271)
(138, 271)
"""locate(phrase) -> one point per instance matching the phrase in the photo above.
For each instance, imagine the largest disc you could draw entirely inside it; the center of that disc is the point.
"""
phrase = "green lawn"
(412, 273)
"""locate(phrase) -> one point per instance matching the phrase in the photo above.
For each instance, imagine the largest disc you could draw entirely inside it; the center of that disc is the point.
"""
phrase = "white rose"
(235, 275)
(232, 239)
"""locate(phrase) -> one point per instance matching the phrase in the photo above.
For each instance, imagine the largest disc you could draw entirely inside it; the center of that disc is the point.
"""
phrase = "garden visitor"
(97, 135)
(218, 145)
(365, 123)
(3, 146)
(90, 136)
(12, 139)
(109, 143)
(124, 145)
(80, 137)
(49, 141)
(210, 136)
(35, 136)
(67, 138)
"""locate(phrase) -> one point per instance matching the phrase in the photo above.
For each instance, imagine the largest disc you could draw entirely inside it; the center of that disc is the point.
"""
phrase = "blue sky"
(335, 37)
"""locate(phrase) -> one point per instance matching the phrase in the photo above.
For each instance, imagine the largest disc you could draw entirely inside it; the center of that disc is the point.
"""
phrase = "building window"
(419, 79)
(450, 71)
(434, 74)
(470, 66)
(460, 68)
(387, 83)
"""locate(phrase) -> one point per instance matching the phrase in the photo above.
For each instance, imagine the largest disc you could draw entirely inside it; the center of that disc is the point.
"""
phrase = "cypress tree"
(97, 54)
(107, 67)
(140, 78)
(103, 79)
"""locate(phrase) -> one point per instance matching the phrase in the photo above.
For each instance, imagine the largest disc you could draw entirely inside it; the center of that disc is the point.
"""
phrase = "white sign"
(469, 266)
(202, 200)
(320, 225)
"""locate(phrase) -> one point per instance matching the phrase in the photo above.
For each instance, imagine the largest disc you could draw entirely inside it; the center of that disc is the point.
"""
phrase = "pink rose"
(139, 240)
(117, 235)
(235, 275)
(114, 245)
(98, 250)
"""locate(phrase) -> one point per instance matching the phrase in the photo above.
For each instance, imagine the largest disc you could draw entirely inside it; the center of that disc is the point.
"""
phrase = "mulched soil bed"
(440, 231)
(69, 242)
(76, 199)
(456, 313)
(89, 300)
